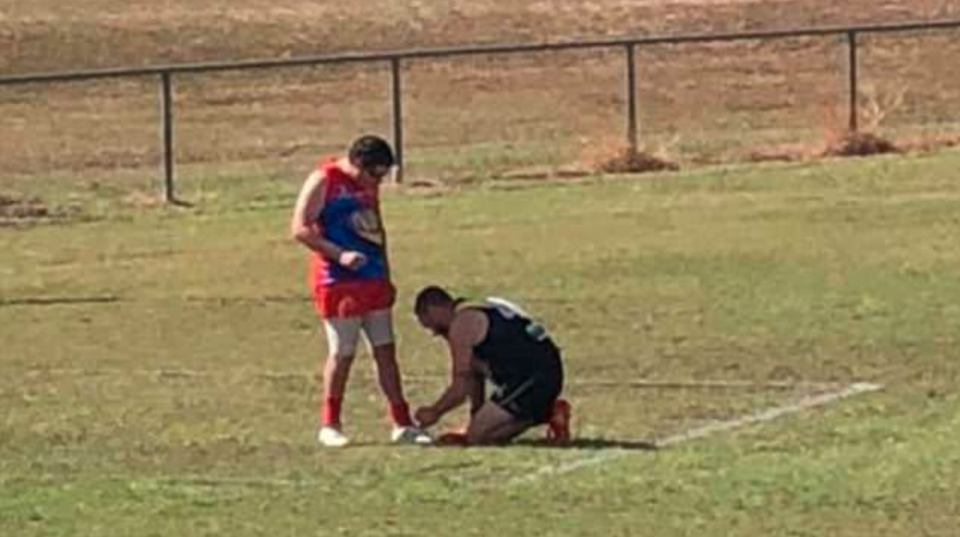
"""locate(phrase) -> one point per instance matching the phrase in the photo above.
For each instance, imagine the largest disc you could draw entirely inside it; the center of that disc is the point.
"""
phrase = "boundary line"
(665, 384)
(703, 431)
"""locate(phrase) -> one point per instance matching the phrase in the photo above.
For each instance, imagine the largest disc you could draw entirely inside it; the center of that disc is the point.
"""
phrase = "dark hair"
(431, 296)
(370, 151)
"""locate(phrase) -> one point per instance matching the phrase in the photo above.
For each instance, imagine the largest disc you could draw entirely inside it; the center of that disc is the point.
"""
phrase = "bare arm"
(478, 393)
(303, 225)
(461, 379)
(468, 328)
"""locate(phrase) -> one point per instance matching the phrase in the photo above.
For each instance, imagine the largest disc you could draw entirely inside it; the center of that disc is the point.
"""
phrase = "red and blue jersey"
(350, 218)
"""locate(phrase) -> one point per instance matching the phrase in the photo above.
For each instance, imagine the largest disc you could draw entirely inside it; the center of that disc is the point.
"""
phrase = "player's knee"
(342, 338)
(476, 438)
(383, 347)
(342, 351)
(479, 436)
(341, 357)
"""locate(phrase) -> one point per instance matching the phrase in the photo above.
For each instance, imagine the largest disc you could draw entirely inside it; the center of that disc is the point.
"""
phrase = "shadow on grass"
(591, 443)
(58, 301)
(183, 204)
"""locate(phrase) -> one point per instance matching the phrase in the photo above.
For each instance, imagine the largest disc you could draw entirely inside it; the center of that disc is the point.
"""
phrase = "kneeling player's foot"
(558, 428)
(452, 438)
(410, 435)
(332, 437)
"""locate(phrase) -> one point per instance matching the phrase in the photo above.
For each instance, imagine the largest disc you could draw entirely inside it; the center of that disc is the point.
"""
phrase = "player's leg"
(342, 337)
(558, 427)
(558, 423)
(530, 399)
(493, 424)
(378, 328)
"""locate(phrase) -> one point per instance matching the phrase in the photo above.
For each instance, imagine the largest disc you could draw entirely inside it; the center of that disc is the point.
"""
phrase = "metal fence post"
(632, 129)
(853, 71)
(395, 58)
(166, 112)
(396, 91)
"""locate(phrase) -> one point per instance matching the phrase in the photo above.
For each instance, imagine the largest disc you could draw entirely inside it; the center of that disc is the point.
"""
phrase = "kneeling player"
(495, 340)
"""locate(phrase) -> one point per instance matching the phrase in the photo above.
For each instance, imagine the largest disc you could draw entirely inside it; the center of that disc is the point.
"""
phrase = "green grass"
(158, 362)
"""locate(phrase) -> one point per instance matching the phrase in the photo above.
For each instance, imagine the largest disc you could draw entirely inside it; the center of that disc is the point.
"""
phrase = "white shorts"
(343, 333)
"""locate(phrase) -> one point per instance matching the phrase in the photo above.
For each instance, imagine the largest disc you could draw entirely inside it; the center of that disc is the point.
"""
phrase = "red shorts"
(353, 299)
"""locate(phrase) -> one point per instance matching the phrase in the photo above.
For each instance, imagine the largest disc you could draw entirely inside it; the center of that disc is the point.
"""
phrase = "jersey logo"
(366, 223)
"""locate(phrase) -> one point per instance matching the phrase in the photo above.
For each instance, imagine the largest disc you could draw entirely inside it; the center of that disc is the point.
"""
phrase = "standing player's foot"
(410, 435)
(558, 428)
(332, 437)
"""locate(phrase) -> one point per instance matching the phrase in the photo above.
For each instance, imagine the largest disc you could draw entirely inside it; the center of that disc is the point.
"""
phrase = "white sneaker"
(330, 437)
(410, 435)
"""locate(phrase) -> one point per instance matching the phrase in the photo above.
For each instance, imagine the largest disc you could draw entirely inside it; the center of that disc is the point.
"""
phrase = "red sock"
(558, 428)
(400, 414)
(330, 412)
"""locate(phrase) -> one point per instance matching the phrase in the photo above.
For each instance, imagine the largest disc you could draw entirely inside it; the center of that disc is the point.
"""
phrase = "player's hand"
(352, 260)
(426, 416)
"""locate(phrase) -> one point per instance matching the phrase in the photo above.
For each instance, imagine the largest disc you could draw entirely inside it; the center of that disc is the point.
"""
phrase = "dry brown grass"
(840, 144)
(860, 144)
(14, 209)
(837, 139)
(467, 117)
(631, 160)
(49, 34)
(929, 142)
(789, 152)
(614, 156)
(867, 139)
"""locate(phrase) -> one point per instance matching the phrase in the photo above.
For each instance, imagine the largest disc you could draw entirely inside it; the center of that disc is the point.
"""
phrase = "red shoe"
(558, 428)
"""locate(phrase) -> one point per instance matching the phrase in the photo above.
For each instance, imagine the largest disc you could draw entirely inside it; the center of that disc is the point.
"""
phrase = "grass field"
(158, 362)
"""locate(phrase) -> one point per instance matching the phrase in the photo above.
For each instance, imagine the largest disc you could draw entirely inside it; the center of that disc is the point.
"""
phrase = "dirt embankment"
(43, 35)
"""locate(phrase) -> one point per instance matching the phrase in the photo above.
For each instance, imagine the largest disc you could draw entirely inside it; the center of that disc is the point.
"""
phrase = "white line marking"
(703, 431)
(771, 414)
(412, 379)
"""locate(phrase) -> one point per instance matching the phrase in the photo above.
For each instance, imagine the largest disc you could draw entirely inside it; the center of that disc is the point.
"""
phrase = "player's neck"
(355, 173)
(348, 168)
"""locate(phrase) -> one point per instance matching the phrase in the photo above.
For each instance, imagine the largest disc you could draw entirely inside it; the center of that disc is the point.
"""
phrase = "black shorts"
(530, 398)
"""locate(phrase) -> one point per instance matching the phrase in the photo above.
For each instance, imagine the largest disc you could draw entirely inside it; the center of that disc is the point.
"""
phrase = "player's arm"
(467, 329)
(303, 225)
(386, 249)
(477, 393)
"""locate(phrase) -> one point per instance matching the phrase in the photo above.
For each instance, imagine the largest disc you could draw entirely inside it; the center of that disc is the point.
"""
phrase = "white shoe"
(410, 435)
(330, 437)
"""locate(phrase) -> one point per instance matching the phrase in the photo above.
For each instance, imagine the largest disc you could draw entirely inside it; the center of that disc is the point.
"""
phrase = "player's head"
(372, 155)
(434, 308)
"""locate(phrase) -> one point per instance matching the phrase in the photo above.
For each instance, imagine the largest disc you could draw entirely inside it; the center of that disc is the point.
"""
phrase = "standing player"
(337, 216)
(495, 340)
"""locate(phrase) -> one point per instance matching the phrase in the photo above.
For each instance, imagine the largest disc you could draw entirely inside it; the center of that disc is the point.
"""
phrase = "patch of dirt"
(50, 35)
(637, 161)
(15, 207)
(779, 153)
(274, 115)
(16, 210)
(931, 142)
(860, 144)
